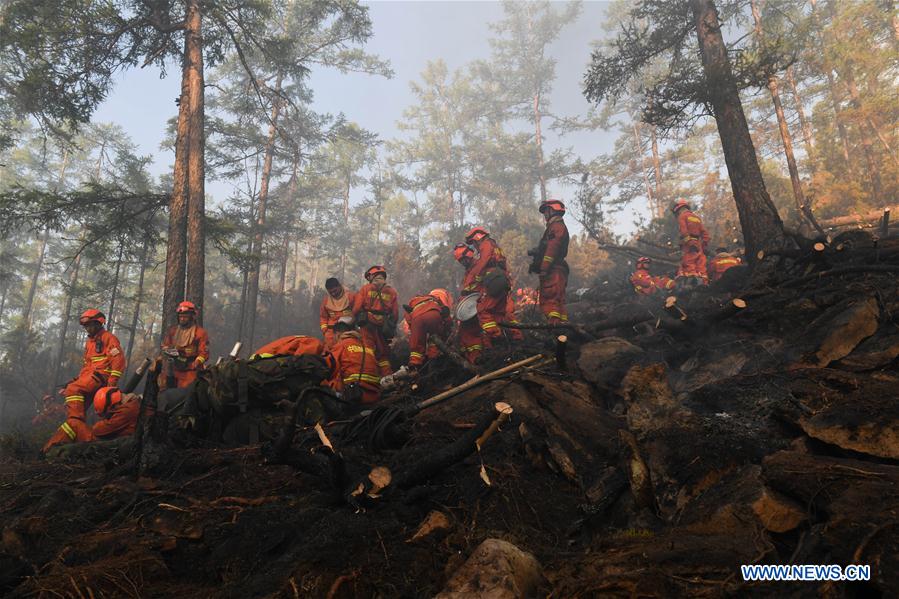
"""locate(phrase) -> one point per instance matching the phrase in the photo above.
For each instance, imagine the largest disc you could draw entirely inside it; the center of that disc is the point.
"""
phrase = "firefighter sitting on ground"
(645, 283)
(118, 413)
(190, 341)
(357, 375)
(721, 263)
(694, 241)
(103, 364)
(337, 302)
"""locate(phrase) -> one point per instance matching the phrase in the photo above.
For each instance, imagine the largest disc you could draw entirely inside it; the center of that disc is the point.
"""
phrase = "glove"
(387, 382)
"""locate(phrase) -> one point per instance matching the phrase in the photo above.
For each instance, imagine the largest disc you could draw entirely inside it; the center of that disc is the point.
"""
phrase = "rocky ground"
(673, 445)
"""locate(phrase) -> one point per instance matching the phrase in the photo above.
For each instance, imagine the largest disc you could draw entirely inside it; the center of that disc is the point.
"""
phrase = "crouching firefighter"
(118, 413)
(357, 376)
(427, 315)
(103, 364)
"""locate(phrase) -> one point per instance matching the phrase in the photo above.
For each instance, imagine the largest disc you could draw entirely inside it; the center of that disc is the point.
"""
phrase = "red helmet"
(554, 205)
(682, 203)
(442, 295)
(643, 261)
(476, 234)
(186, 308)
(92, 314)
(462, 251)
(105, 398)
(375, 270)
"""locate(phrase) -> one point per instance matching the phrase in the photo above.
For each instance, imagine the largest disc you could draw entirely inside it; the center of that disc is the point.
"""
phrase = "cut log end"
(739, 303)
(819, 247)
(380, 477)
(760, 254)
(670, 301)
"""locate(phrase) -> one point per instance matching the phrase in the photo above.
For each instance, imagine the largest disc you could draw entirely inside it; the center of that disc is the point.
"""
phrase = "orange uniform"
(491, 310)
(377, 304)
(122, 421)
(721, 263)
(694, 239)
(646, 284)
(428, 317)
(292, 345)
(356, 363)
(103, 364)
(331, 310)
(192, 344)
(554, 270)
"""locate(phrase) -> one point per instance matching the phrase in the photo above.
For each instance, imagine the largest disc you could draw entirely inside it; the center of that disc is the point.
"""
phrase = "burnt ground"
(667, 454)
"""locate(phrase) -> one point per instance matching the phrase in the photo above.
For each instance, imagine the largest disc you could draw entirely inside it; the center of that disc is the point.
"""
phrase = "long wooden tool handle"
(478, 380)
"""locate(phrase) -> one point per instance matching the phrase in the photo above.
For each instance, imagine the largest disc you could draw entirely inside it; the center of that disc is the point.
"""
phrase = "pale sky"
(408, 34)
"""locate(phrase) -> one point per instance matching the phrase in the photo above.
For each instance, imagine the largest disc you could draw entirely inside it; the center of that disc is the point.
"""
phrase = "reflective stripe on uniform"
(98, 358)
(201, 359)
(471, 348)
(365, 378)
(72, 398)
(415, 354)
(324, 327)
(384, 363)
(547, 258)
(357, 349)
(68, 430)
(488, 325)
(113, 372)
(558, 315)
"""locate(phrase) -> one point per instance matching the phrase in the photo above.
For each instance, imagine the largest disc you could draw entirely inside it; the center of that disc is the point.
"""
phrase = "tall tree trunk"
(32, 290)
(258, 236)
(867, 144)
(838, 117)
(64, 322)
(639, 149)
(3, 301)
(346, 226)
(282, 285)
(798, 196)
(196, 207)
(176, 244)
(807, 135)
(762, 227)
(113, 296)
(856, 100)
(138, 298)
(657, 170)
(538, 138)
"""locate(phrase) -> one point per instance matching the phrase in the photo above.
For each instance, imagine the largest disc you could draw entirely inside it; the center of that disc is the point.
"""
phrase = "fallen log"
(455, 357)
(673, 309)
(549, 327)
(637, 253)
(861, 220)
(841, 271)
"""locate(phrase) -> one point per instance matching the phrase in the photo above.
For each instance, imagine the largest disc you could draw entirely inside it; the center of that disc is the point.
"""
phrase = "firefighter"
(427, 315)
(694, 241)
(357, 374)
(375, 310)
(645, 283)
(471, 337)
(337, 302)
(191, 341)
(292, 345)
(549, 262)
(103, 364)
(118, 413)
(489, 271)
(722, 261)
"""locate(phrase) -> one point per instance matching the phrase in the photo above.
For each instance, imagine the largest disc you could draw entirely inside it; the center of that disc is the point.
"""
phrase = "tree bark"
(761, 225)
(196, 207)
(3, 301)
(176, 244)
(138, 298)
(867, 144)
(657, 169)
(538, 117)
(64, 324)
(258, 236)
(639, 148)
(807, 135)
(32, 290)
(113, 296)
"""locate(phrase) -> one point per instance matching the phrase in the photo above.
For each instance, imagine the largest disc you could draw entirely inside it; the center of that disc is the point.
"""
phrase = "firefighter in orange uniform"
(549, 262)
(357, 374)
(427, 315)
(489, 272)
(103, 364)
(292, 345)
(694, 240)
(645, 283)
(375, 309)
(118, 413)
(471, 337)
(192, 343)
(337, 303)
(722, 262)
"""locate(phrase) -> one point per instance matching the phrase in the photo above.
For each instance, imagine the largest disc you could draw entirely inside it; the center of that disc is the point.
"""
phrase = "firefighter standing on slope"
(427, 315)
(191, 342)
(471, 336)
(549, 262)
(337, 303)
(694, 240)
(375, 310)
(490, 273)
(645, 283)
(721, 263)
(357, 375)
(103, 365)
